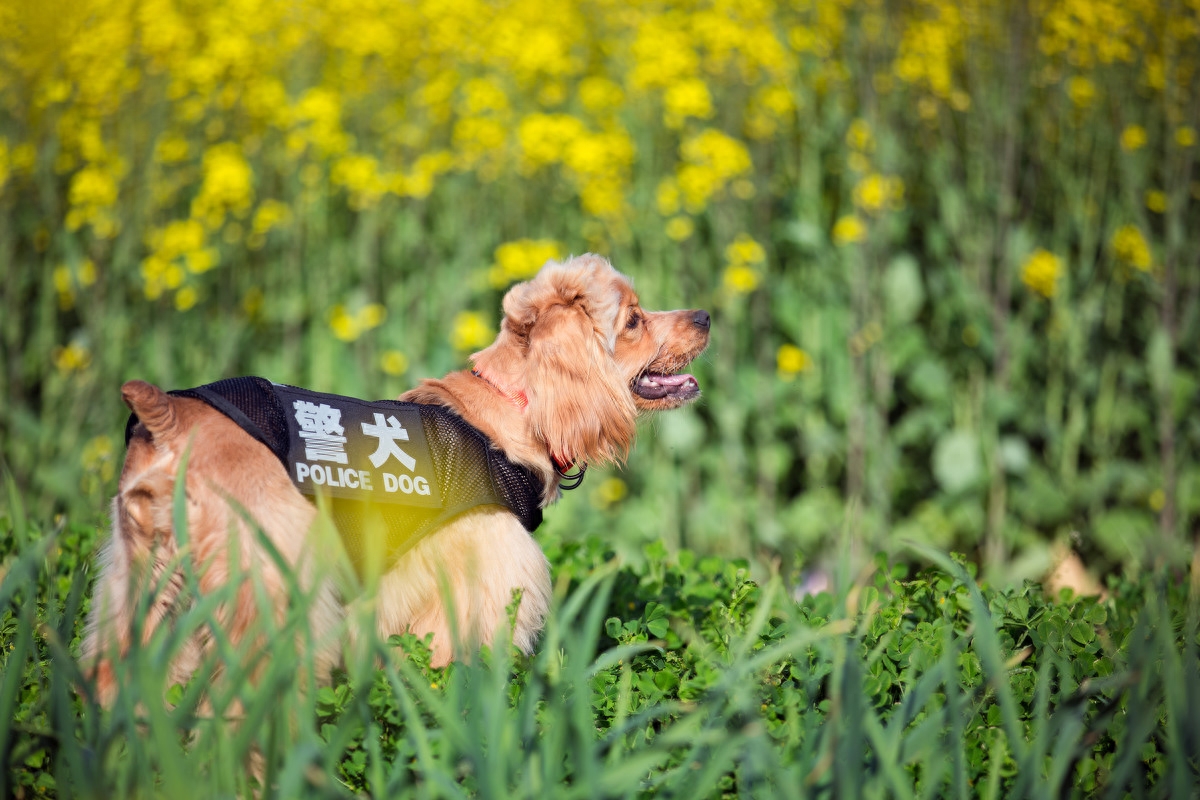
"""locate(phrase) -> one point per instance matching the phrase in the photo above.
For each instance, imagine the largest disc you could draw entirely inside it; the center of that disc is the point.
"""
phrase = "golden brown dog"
(575, 362)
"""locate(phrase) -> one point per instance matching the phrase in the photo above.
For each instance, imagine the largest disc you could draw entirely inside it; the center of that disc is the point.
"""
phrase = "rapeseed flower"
(470, 331)
(1130, 247)
(609, 492)
(521, 260)
(790, 361)
(1133, 138)
(1041, 271)
(185, 298)
(227, 185)
(393, 362)
(876, 192)
(680, 228)
(72, 358)
(711, 160)
(348, 326)
(849, 229)
(743, 257)
(686, 98)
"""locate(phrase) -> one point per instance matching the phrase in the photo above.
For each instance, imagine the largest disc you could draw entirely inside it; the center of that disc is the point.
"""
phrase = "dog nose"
(701, 319)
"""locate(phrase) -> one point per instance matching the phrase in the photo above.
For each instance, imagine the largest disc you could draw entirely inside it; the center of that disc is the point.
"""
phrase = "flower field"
(952, 254)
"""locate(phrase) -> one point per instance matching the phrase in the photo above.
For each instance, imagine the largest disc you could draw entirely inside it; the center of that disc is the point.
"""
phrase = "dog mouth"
(657, 386)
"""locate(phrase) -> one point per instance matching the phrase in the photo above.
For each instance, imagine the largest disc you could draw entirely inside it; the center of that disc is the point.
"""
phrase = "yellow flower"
(790, 361)
(1133, 138)
(1081, 91)
(849, 229)
(344, 324)
(611, 491)
(1040, 272)
(521, 260)
(680, 228)
(711, 160)
(185, 298)
(667, 197)
(270, 214)
(172, 149)
(740, 279)
(544, 138)
(227, 184)
(686, 98)
(470, 331)
(859, 136)
(599, 94)
(371, 316)
(1156, 200)
(72, 358)
(64, 286)
(875, 192)
(1185, 136)
(393, 362)
(744, 250)
(199, 261)
(360, 176)
(1130, 246)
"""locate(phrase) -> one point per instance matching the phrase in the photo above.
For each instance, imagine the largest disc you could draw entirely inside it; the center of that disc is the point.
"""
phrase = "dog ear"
(579, 403)
(153, 407)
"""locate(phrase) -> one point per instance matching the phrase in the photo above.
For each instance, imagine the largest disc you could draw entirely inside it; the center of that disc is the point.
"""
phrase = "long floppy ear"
(578, 402)
(153, 407)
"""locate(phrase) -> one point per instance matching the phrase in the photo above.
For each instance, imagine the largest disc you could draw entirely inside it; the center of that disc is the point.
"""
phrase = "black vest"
(406, 468)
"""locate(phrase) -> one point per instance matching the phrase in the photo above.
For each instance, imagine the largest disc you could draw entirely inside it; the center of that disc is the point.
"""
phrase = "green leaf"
(903, 291)
(1082, 632)
(957, 464)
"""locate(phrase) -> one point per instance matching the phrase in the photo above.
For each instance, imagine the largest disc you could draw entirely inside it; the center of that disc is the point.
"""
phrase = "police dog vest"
(412, 466)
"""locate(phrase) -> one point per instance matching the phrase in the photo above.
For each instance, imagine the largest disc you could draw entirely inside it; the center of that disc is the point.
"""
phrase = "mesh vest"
(405, 467)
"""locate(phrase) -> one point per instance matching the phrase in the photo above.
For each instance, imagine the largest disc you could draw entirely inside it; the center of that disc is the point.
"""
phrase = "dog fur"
(576, 361)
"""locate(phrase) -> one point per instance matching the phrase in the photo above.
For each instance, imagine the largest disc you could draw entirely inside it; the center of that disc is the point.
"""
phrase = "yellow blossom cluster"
(790, 361)
(470, 331)
(1130, 247)
(520, 260)
(931, 49)
(349, 326)
(849, 229)
(1041, 271)
(876, 193)
(744, 257)
(609, 492)
(201, 132)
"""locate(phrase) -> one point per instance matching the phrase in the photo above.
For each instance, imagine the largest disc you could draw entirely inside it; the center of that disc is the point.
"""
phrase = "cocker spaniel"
(576, 361)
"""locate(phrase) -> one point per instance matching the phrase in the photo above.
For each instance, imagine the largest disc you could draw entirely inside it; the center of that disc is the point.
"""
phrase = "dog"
(576, 361)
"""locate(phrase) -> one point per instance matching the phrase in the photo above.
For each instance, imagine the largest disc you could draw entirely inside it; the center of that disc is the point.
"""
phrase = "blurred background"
(951, 249)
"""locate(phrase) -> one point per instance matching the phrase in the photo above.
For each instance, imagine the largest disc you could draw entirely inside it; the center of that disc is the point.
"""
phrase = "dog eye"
(634, 319)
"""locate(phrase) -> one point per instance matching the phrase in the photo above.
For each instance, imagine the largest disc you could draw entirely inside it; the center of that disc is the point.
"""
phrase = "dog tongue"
(655, 387)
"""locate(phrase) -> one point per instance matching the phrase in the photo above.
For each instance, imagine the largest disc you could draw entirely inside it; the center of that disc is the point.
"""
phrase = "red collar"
(521, 401)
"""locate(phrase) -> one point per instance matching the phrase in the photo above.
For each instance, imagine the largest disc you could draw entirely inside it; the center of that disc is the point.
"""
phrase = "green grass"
(680, 677)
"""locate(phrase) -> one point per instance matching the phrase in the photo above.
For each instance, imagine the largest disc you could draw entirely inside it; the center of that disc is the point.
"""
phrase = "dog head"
(577, 345)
